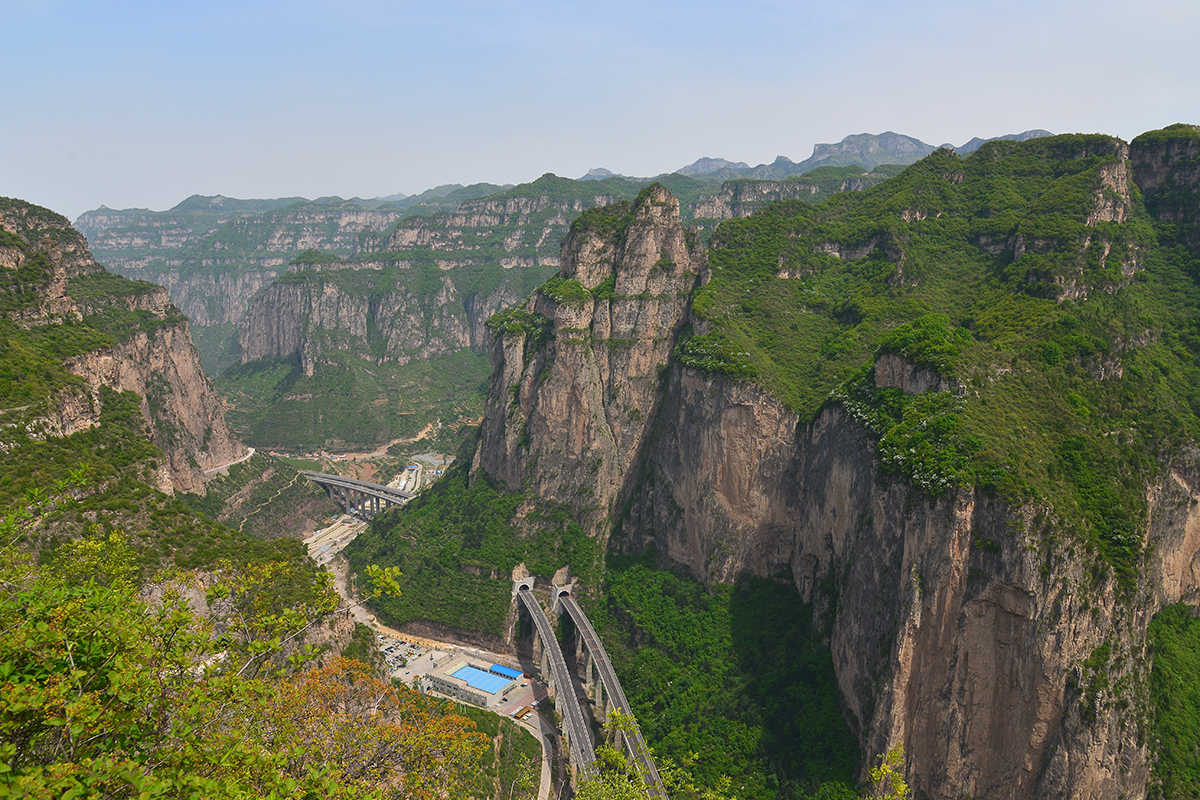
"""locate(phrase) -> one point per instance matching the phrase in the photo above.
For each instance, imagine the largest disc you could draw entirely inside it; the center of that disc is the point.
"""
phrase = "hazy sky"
(144, 103)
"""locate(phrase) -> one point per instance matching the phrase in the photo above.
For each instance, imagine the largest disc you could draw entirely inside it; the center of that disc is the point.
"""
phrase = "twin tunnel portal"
(368, 499)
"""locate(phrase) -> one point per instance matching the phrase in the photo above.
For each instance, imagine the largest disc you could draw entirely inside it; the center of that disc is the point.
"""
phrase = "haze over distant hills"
(867, 150)
(240, 245)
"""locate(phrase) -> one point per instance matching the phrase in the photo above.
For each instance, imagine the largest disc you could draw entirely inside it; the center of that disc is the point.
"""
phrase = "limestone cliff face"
(519, 233)
(535, 222)
(158, 361)
(184, 413)
(312, 316)
(217, 296)
(742, 198)
(957, 631)
(328, 227)
(961, 627)
(1166, 166)
(111, 231)
(214, 256)
(574, 392)
(50, 233)
(133, 239)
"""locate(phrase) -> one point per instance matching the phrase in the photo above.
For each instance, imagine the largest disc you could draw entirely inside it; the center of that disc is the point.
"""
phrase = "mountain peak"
(703, 166)
(974, 144)
(599, 174)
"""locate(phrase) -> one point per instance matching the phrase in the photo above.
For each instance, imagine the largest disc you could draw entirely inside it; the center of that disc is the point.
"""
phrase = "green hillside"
(352, 403)
(1055, 312)
(1072, 371)
(57, 488)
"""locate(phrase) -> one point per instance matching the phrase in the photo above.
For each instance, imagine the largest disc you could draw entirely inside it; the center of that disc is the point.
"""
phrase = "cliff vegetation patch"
(738, 675)
(1175, 642)
(349, 402)
(1057, 312)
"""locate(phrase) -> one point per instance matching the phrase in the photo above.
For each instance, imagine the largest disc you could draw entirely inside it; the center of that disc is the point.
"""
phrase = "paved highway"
(612, 689)
(576, 729)
(386, 493)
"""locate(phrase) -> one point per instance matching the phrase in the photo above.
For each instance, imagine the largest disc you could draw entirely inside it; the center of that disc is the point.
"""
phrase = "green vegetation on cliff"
(456, 549)
(1020, 321)
(106, 693)
(1175, 696)
(1068, 341)
(511, 770)
(263, 497)
(758, 700)
(101, 478)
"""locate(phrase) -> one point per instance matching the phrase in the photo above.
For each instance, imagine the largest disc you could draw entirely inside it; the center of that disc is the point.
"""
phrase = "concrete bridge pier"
(368, 499)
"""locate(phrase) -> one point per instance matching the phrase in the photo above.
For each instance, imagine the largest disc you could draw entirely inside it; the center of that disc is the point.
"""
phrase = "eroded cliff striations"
(958, 626)
(577, 368)
(740, 198)
(184, 413)
(314, 315)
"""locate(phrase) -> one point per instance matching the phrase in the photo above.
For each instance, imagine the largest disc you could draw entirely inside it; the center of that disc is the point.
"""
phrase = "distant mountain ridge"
(213, 253)
(599, 174)
(704, 166)
(867, 150)
(976, 143)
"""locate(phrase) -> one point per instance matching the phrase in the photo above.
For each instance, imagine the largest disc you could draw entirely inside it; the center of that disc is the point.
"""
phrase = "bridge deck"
(612, 687)
(373, 489)
(582, 754)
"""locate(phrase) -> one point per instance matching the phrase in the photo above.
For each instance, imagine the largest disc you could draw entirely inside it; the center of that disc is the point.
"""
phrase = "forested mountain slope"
(146, 649)
(957, 412)
(105, 409)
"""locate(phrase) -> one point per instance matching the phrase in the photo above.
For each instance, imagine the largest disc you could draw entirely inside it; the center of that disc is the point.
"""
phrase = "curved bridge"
(575, 728)
(598, 658)
(366, 498)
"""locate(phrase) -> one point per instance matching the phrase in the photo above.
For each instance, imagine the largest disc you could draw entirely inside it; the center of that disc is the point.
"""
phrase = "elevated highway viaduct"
(367, 499)
(575, 728)
(608, 691)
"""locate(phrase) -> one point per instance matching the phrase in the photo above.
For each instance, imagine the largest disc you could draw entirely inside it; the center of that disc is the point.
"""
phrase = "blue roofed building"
(478, 684)
(508, 672)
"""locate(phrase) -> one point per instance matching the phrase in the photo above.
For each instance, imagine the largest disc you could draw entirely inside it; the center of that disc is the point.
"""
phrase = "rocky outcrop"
(137, 239)
(214, 254)
(576, 375)
(1166, 166)
(1165, 158)
(156, 360)
(311, 312)
(531, 223)
(216, 296)
(964, 628)
(51, 233)
(741, 198)
(1087, 255)
(183, 411)
(893, 370)
(957, 630)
